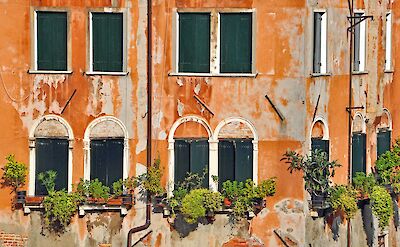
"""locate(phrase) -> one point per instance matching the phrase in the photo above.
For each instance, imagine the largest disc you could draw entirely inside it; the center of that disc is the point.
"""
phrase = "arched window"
(189, 149)
(320, 136)
(358, 145)
(50, 149)
(237, 150)
(106, 150)
(384, 133)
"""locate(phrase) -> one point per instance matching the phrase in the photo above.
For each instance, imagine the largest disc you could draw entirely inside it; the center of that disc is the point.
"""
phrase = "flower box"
(34, 200)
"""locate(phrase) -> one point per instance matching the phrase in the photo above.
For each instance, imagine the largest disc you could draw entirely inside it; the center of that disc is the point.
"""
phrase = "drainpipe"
(149, 119)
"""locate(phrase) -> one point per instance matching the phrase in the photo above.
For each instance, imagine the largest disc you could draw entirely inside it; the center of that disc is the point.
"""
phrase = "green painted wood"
(384, 141)
(318, 143)
(358, 153)
(51, 154)
(243, 160)
(199, 158)
(236, 42)
(226, 161)
(317, 42)
(51, 40)
(182, 160)
(107, 42)
(106, 160)
(194, 42)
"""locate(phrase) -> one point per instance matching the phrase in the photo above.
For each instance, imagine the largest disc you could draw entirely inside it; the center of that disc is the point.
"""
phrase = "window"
(215, 43)
(51, 41)
(235, 160)
(106, 42)
(191, 155)
(388, 52)
(358, 159)
(236, 42)
(383, 141)
(320, 144)
(320, 36)
(359, 43)
(194, 42)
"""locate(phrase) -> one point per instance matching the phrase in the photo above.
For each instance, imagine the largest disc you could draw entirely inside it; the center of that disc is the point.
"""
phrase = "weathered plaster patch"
(179, 81)
(180, 108)
(197, 88)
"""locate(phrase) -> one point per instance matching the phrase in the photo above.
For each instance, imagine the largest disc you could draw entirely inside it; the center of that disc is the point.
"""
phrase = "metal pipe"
(149, 120)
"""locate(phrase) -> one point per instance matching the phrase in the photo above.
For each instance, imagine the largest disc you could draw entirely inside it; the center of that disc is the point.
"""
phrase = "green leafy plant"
(14, 173)
(118, 187)
(98, 190)
(364, 183)
(343, 198)
(151, 181)
(387, 166)
(382, 205)
(232, 189)
(317, 170)
(48, 180)
(130, 184)
(198, 202)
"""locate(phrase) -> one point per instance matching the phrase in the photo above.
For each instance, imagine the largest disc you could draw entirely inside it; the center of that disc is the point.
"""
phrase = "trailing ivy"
(343, 198)
(382, 205)
(198, 203)
(14, 174)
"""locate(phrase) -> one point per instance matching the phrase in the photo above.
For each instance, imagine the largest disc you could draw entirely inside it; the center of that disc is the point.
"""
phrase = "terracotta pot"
(92, 200)
(34, 200)
(115, 201)
(227, 203)
(104, 245)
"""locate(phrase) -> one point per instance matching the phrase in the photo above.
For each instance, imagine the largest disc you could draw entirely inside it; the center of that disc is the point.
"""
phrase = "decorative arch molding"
(389, 117)
(123, 132)
(359, 117)
(61, 129)
(325, 124)
(171, 145)
(232, 120)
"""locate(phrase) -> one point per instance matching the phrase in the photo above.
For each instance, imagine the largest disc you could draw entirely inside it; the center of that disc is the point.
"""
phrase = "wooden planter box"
(34, 200)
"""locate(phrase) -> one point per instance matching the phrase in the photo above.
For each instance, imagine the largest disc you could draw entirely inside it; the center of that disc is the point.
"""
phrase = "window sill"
(360, 72)
(320, 74)
(215, 75)
(49, 71)
(85, 208)
(107, 73)
(389, 71)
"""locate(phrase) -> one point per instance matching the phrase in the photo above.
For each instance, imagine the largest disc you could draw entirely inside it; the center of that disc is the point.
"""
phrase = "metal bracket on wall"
(203, 104)
(359, 20)
(281, 117)
(69, 100)
(349, 109)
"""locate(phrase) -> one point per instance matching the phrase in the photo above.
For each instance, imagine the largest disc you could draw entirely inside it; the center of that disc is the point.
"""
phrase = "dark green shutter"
(51, 154)
(357, 44)
(318, 143)
(107, 42)
(106, 160)
(51, 40)
(194, 42)
(358, 153)
(182, 160)
(236, 43)
(226, 161)
(317, 43)
(243, 160)
(199, 157)
(383, 141)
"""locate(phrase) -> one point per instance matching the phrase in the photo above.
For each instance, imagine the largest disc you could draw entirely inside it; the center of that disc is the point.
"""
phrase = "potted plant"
(363, 185)
(382, 205)
(317, 172)
(387, 169)
(151, 182)
(94, 191)
(130, 184)
(343, 198)
(231, 190)
(14, 175)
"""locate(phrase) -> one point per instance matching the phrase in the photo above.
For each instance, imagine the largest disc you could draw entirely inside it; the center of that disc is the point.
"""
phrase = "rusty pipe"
(149, 119)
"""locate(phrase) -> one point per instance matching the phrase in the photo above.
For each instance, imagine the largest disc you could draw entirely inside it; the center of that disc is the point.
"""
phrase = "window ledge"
(49, 71)
(85, 208)
(389, 71)
(320, 74)
(360, 72)
(215, 75)
(124, 73)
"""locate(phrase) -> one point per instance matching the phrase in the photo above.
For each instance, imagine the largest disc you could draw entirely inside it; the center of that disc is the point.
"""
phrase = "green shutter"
(317, 42)
(51, 154)
(194, 42)
(106, 160)
(243, 160)
(51, 40)
(199, 157)
(318, 143)
(358, 153)
(107, 42)
(236, 43)
(226, 161)
(383, 141)
(182, 160)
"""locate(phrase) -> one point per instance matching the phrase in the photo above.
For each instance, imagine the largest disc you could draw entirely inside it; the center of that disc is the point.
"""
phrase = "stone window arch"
(106, 155)
(384, 133)
(319, 135)
(193, 150)
(234, 151)
(358, 145)
(50, 147)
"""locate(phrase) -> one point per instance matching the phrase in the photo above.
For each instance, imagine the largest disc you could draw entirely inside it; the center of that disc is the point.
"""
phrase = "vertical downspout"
(149, 120)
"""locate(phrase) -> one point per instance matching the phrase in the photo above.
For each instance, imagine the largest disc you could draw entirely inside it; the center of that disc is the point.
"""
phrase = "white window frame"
(324, 41)
(363, 42)
(34, 69)
(215, 39)
(326, 132)
(388, 44)
(124, 42)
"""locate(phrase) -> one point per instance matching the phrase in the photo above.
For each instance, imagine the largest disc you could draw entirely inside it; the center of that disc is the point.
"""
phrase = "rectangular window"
(359, 43)
(194, 42)
(235, 160)
(318, 143)
(51, 154)
(320, 36)
(191, 156)
(236, 42)
(388, 52)
(106, 160)
(107, 42)
(358, 161)
(383, 141)
(51, 41)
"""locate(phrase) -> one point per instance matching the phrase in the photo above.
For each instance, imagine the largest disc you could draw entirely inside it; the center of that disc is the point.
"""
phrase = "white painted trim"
(326, 129)
(387, 112)
(171, 148)
(363, 41)
(32, 151)
(86, 145)
(364, 126)
(324, 44)
(215, 139)
(388, 44)
(90, 42)
(175, 39)
(35, 65)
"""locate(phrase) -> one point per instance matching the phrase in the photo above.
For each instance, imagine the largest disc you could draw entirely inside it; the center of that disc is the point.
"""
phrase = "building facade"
(266, 76)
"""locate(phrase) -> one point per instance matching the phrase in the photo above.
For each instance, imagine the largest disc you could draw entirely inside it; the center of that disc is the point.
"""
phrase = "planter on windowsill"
(33, 200)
